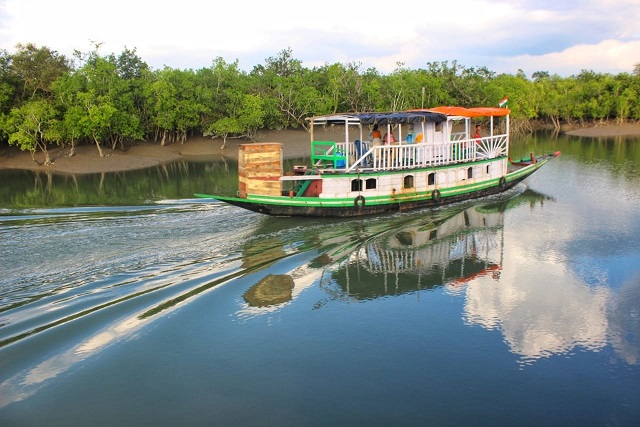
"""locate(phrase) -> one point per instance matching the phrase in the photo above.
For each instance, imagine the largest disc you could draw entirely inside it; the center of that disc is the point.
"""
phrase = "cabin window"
(431, 180)
(371, 184)
(439, 127)
(356, 185)
(488, 169)
(408, 181)
(470, 173)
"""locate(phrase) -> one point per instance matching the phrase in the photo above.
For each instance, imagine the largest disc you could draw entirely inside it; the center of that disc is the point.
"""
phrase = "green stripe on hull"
(374, 200)
(374, 204)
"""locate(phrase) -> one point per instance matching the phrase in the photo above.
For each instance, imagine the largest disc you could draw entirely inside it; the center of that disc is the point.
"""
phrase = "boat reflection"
(428, 252)
(364, 260)
(421, 256)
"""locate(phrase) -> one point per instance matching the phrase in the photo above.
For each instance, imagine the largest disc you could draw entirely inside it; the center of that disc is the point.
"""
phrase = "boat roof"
(381, 118)
(436, 115)
(469, 112)
(401, 117)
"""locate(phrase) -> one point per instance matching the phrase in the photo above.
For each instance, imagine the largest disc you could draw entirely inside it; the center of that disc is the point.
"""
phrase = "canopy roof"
(436, 115)
(401, 117)
(381, 118)
(470, 112)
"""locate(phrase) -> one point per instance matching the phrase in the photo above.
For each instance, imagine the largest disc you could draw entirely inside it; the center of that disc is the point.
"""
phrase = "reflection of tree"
(271, 290)
(177, 180)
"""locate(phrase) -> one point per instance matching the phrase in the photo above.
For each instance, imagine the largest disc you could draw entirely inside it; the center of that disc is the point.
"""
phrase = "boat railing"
(328, 154)
(360, 155)
(458, 136)
(492, 146)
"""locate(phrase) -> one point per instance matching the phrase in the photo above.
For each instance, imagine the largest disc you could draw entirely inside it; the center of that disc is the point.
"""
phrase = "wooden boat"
(434, 161)
(530, 160)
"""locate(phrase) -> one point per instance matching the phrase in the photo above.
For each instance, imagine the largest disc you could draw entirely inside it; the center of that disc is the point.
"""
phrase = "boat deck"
(347, 157)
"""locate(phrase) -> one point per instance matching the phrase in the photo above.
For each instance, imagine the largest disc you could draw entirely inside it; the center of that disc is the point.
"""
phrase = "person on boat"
(477, 136)
(389, 137)
(375, 136)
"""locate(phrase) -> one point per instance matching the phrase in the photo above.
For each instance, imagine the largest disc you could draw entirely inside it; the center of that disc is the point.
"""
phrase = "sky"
(561, 37)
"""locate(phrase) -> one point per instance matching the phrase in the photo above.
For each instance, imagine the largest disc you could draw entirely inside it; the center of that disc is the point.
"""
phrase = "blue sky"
(562, 37)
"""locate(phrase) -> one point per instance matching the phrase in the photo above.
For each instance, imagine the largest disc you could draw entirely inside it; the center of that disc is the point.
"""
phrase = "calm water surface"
(124, 301)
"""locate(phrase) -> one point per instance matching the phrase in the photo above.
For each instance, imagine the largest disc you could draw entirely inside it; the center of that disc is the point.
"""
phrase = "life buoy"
(436, 196)
(502, 183)
(358, 202)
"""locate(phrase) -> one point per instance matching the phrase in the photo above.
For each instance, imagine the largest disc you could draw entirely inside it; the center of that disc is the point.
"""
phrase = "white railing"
(458, 136)
(412, 155)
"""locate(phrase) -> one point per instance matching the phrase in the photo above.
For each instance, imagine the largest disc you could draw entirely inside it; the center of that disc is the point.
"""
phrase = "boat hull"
(322, 207)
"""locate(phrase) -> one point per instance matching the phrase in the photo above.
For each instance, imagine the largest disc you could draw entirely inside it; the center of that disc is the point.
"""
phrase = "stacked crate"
(260, 169)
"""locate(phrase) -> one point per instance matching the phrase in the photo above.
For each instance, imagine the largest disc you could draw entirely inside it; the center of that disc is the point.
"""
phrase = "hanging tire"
(358, 202)
(436, 196)
(503, 183)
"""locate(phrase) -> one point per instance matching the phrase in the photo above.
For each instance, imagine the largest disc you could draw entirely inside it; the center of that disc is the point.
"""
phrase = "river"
(125, 301)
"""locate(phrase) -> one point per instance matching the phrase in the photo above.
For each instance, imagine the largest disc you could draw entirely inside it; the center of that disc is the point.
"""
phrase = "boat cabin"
(421, 138)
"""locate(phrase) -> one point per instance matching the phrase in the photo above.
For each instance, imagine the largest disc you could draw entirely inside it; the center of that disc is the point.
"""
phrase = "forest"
(112, 100)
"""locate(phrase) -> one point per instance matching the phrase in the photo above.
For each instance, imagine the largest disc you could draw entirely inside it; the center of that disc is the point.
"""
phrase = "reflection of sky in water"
(614, 272)
(624, 320)
(539, 319)
(577, 290)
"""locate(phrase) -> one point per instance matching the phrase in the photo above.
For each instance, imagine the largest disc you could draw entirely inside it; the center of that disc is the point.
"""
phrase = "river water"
(125, 301)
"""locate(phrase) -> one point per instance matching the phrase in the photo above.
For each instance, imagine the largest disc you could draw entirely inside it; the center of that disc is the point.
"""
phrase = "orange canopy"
(469, 112)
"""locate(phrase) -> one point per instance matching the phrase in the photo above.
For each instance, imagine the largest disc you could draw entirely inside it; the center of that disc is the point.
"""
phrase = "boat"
(432, 160)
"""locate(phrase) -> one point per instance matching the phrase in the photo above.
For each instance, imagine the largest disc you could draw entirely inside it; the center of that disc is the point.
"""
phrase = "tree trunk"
(98, 145)
(43, 147)
(33, 157)
(47, 158)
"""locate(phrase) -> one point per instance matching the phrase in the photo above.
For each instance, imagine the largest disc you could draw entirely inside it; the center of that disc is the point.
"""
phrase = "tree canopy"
(112, 100)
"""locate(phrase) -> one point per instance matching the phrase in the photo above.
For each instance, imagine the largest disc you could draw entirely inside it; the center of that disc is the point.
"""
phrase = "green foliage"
(33, 125)
(115, 99)
(36, 69)
(245, 120)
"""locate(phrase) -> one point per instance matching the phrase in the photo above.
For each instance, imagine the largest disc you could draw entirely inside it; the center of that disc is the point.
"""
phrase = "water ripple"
(106, 256)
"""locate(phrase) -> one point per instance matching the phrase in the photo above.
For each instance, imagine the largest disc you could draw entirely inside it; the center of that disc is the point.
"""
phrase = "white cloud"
(561, 37)
(612, 56)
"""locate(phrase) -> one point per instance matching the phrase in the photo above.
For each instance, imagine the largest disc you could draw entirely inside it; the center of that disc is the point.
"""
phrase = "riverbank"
(606, 130)
(295, 144)
(87, 160)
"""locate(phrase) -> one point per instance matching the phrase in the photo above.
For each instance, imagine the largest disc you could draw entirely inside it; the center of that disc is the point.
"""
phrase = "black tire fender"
(358, 202)
(436, 196)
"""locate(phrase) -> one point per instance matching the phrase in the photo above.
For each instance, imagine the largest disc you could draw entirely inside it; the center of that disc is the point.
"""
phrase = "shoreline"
(141, 155)
(295, 144)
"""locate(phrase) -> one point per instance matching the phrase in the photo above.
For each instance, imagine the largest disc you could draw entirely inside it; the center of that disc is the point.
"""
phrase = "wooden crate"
(260, 169)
